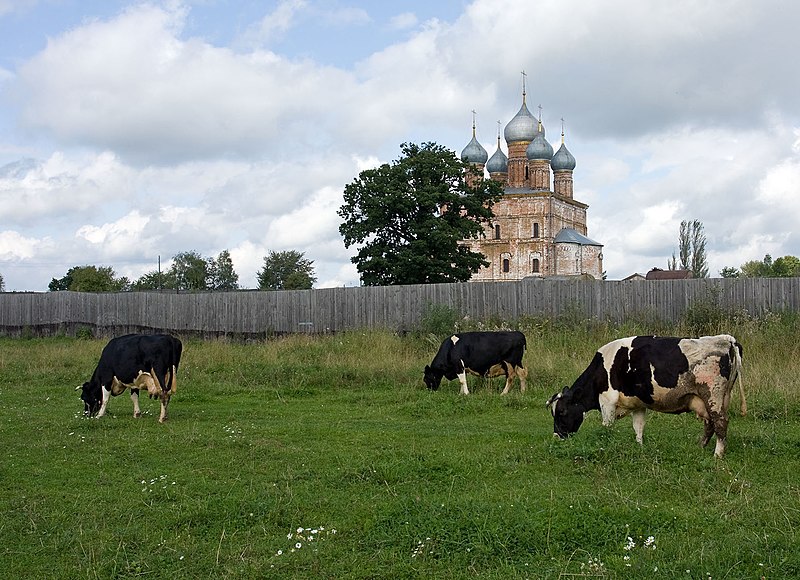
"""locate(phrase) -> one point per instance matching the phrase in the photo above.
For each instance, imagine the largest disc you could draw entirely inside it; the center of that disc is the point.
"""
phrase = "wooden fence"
(399, 308)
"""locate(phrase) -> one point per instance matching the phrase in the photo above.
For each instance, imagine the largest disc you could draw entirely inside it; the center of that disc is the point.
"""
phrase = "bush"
(439, 320)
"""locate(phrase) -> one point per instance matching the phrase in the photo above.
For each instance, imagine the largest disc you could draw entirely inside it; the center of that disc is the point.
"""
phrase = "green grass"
(336, 434)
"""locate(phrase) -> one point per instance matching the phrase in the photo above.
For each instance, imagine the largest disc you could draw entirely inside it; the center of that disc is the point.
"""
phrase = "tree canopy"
(408, 218)
(289, 270)
(691, 249)
(90, 279)
(785, 267)
(2, 284)
(191, 271)
(222, 276)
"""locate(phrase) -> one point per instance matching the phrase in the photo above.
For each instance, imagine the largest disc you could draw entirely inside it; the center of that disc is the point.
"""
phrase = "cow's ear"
(552, 400)
(427, 369)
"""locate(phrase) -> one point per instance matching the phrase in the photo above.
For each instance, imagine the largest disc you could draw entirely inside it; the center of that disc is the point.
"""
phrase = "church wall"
(574, 259)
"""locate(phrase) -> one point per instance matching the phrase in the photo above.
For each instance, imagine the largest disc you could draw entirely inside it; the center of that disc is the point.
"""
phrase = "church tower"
(539, 228)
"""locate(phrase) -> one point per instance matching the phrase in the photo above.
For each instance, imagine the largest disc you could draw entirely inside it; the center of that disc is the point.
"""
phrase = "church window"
(536, 230)
(497, 231)
(506, 265)
(535, 266)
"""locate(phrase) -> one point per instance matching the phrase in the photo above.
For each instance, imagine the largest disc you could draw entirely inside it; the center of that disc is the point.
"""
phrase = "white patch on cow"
(462, 378)
(454, 339)
(608, 405)
(106, 397)
(638, 424)
(552, 405)
(137, 412)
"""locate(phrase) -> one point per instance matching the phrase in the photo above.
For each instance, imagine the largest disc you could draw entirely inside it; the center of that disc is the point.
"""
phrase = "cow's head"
(432, 378)
(567, 414)
(91, 398)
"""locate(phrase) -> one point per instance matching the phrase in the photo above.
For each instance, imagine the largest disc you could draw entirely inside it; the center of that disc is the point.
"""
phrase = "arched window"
(506, 265)
(527, 174)
(536, 230)
(496, 231)
(535, 265)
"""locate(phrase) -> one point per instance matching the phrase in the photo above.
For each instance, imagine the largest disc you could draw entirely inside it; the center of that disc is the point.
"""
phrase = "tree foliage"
(691, 249)
(785, 267)
(222, 276)
(408, 217)
(90, 279)
(289, 270)
(191, 271)
(2, 284)
(155, 280)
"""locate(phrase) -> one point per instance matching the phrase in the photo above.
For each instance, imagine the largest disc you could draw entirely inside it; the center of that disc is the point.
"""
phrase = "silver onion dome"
(498, 163)
(474, 152)
(563, 159)
(539, 148)
(522, 127)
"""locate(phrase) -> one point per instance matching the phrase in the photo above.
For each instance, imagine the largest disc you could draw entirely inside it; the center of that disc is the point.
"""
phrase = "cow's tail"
(736, 373)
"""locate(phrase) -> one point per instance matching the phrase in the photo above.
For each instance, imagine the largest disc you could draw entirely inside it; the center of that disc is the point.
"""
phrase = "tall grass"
(324, 457)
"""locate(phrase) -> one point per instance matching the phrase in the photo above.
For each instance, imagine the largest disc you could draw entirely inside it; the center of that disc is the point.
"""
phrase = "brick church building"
(539, 228)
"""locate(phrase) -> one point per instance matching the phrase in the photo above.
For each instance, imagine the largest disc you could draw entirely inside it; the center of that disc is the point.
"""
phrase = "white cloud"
(404, 21)
(274, 25)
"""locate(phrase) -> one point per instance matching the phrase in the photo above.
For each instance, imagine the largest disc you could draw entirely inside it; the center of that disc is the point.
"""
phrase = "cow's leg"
(721, 431)
(608, 405)
(104, 404)
(510, 374)
(638, 424)
(164, 403)
(522, 373)
(462, 379)
(720, 422)
(708, 431)
(173, 382)
(135, 398)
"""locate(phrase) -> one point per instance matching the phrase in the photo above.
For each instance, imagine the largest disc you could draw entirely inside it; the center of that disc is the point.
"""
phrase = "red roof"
(659, 274)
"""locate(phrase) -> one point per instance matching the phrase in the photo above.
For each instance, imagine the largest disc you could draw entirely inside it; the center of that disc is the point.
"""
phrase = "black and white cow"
(486, 354)
(137, 361)
(665, 374)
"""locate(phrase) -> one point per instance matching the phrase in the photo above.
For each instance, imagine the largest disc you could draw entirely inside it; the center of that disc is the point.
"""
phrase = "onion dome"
(474, 152)
(498, 163)
(522, 127)
(539, 148)
(563, 159)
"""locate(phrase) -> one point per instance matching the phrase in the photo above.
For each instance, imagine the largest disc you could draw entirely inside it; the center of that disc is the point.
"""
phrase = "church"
(539, 228)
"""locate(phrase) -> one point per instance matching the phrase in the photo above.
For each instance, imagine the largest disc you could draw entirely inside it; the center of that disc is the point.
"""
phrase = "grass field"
(325, 457)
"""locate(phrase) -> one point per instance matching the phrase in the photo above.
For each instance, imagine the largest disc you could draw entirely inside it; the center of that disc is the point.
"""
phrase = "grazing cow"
(486, 354)
(669, 375)
(137, 361)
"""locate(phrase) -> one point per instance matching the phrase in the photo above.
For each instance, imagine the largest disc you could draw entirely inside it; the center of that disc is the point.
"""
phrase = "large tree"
(155, 280)
(2, 284)
(691, 249)
(191, 271)
(221, 273)
(188, 271)
(90, 279)
(289, 270)
(408, 217)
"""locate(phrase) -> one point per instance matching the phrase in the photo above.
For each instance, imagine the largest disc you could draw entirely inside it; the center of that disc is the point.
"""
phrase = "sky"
(133, 131)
